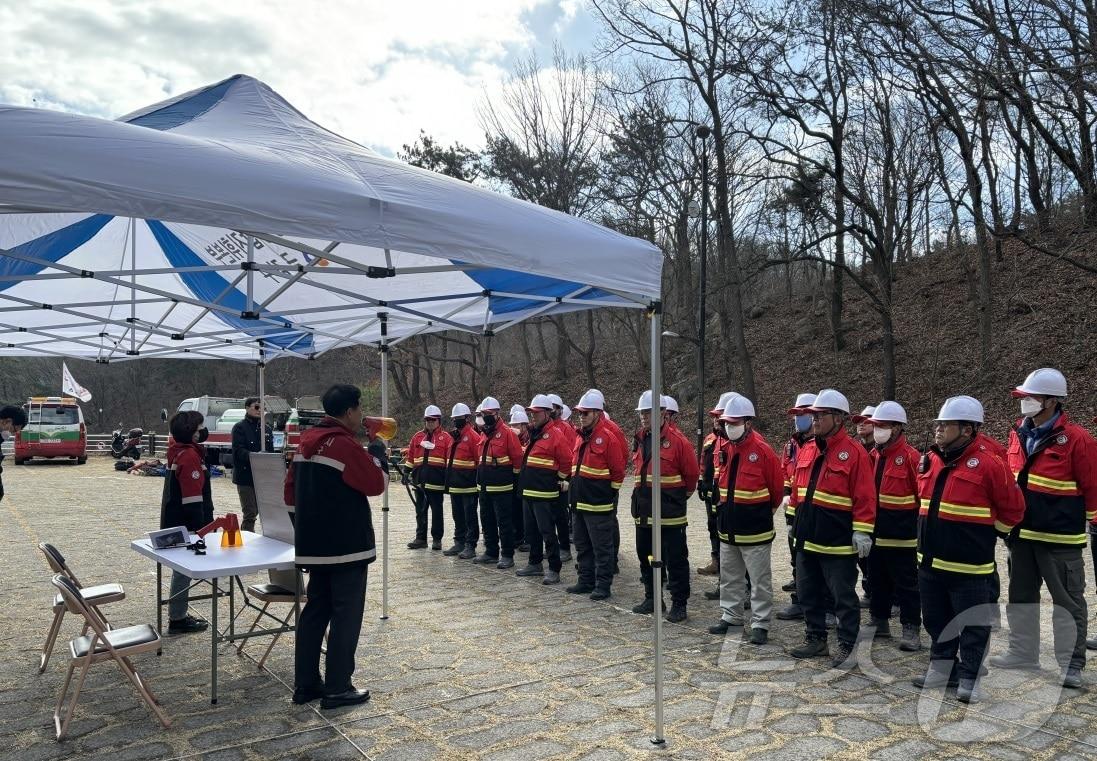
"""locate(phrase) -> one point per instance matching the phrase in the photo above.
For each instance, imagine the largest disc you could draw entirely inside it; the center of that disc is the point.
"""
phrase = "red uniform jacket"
(788, 462)
(429, 466)
(461, 465)
(965, 501)
(750, 486)
(500, 459)
(599, 468)
(546, 462)
(895, 473)
(833, 494)
(1059, 482)
(678, 476)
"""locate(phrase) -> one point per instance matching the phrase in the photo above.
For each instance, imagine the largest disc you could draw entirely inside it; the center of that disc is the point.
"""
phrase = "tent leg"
(385, 496)
(657, 514)
(262, 406)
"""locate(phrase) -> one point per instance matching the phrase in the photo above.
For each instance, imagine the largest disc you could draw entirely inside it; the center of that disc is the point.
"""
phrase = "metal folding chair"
(277, 591)
(102, 644)
(95, 596)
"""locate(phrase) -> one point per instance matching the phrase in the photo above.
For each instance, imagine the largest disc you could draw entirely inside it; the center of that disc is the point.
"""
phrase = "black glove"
(378, 450)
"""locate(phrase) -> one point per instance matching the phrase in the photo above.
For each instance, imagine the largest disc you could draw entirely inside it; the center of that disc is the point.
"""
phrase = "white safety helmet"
(592, 400)
(518, 415)
(1047, 381)
(432, 411)
(489, 404)
(460, 410)
(556, 400)
(803, 402)
(669, 403)
(718, 410)
(565, 413)
(738, 406)
(830, 399)
(965, 409)
(889, 412)
(540, 402)
(865, 415)
(645, 401)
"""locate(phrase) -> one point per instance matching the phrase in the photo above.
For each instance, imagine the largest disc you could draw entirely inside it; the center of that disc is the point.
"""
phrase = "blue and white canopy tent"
(225, 224)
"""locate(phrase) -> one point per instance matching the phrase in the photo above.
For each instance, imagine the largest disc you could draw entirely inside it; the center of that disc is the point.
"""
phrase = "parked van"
(218, 411)
(55, 428)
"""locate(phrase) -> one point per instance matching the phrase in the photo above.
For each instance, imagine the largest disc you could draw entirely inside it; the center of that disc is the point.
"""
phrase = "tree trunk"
(527, 363)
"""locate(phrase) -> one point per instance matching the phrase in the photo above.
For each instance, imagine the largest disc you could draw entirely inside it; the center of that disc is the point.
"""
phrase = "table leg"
(160, 603)
(214, 636)
(232, 609)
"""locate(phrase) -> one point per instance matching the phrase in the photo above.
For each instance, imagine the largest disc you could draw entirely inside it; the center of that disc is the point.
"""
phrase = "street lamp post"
(702, 132)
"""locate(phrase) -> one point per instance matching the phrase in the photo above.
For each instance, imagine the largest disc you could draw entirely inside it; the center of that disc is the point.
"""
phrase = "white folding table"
(258, 553)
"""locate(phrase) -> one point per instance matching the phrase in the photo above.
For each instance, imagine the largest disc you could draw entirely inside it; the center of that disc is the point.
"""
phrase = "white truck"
(214, 408)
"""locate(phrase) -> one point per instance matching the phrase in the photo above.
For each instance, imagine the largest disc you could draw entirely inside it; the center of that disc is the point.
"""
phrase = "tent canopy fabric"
(224, 224)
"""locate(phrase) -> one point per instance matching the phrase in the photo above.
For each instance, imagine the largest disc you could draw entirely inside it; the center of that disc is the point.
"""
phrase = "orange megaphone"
(230, 530)
(385, 427)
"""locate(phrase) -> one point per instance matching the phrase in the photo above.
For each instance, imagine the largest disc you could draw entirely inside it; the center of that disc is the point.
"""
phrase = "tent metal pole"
(133, 283)
(251, 275)
(262, 403)
(385, 497)
(657, 511)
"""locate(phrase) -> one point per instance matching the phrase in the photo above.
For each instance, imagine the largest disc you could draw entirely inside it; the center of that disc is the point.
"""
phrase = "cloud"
(375, 71)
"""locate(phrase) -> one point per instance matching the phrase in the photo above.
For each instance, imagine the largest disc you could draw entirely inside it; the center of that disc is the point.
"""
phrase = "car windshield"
(53, 416)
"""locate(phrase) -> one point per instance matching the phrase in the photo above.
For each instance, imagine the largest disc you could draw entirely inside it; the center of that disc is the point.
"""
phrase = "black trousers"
(336, 601)
(517, 518)
(540, 519)
(863, 567)
(818, 575)
(594, 548)
(675, 561)
(562, 515)
(466, 523)
(495, 516)
(945, 598)
(893, 576)
(1062, 570)
(429, 501)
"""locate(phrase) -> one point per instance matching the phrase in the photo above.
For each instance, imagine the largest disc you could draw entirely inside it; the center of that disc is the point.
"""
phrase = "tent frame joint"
(380, 272)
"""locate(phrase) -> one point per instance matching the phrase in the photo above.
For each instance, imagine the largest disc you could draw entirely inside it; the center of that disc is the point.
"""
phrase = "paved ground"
(475, 662)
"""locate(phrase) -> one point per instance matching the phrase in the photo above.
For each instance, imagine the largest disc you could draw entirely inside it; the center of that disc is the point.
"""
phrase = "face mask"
(480, 421)
(735, 431)
(459, 423)
(803, 423)
(488, 421)
(881, 435)
(203, 434)
(5, 436)
(1031, 407)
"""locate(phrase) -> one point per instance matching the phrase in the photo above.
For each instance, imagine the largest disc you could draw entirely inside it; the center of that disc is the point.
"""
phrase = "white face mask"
(480, 420)
(735, 430)
(881, 435)
(6, 436)
(1031, 407)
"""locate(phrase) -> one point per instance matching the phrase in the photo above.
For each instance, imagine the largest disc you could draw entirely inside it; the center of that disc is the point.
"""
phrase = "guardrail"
(99, 444)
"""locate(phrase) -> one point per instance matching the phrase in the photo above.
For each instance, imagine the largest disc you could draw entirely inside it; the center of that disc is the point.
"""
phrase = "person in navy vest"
(330, 484)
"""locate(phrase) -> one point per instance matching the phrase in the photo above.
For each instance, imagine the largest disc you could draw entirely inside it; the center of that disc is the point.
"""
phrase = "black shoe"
(436, 544)
(811, 647)
(790, 587)
(722, 626)
(647, 605)
(351, 697)
(843, 656)
(302, 695)
(530, 570)
(187, 625)
(967, 691)
(866, 601)
(883, 628)
(417, 544)
(454, 550)
(468, 553)
(759, 636)
(505, 563)
(565, 556)
(599, 594)
(713, 595)
(485, 559)
(676, 614)
(792, 613)
(935, 678)
(523, 547)
(580, 589)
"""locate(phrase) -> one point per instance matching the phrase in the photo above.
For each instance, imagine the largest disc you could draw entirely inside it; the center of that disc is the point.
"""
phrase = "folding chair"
(279, 590)
(101, 594)
(102, 644)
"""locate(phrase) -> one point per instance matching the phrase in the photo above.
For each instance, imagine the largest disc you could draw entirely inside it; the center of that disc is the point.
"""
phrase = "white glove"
(427, 445)
(784, 503)
(791, 529)
(862, 542)
(564, 486)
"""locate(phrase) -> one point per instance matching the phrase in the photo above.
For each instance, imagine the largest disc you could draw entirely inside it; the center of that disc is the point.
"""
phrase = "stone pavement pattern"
(476, 663)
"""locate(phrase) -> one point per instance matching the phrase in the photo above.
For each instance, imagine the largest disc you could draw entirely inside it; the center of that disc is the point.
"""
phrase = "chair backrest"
(57, 564)
(74, 601)
(268, 474)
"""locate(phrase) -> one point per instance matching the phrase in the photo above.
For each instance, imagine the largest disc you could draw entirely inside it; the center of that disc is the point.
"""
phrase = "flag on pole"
(70, 386)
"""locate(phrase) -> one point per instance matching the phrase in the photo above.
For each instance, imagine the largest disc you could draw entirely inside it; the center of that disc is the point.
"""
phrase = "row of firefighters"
(921, 526)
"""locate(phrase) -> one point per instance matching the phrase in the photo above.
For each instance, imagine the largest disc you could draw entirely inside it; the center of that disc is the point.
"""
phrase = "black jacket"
(245, 440)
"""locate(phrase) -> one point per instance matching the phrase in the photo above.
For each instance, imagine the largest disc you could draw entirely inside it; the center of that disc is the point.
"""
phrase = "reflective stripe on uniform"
(462, 490)
(505, 487)
(1041, 536)
(434, 487)
(968, 511)
(831, 500)
(544, 462)
(665, 522)
(829, 550)
(747, 496)
(765, 536)
(587, 507)
(866, 527)
(333, 559)
(897, 543)
(534, 494)
(1054, 484)
(585, 470)
(970, 568)
(891, 499)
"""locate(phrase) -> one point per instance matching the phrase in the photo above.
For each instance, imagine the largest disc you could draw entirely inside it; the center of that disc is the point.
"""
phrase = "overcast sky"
(376, 71)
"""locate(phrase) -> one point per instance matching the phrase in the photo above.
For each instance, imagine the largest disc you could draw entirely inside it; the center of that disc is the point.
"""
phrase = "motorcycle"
(128, 445)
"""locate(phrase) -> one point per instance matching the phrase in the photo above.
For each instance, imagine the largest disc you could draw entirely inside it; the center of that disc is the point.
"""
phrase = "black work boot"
(677, 613)
(811, 647)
